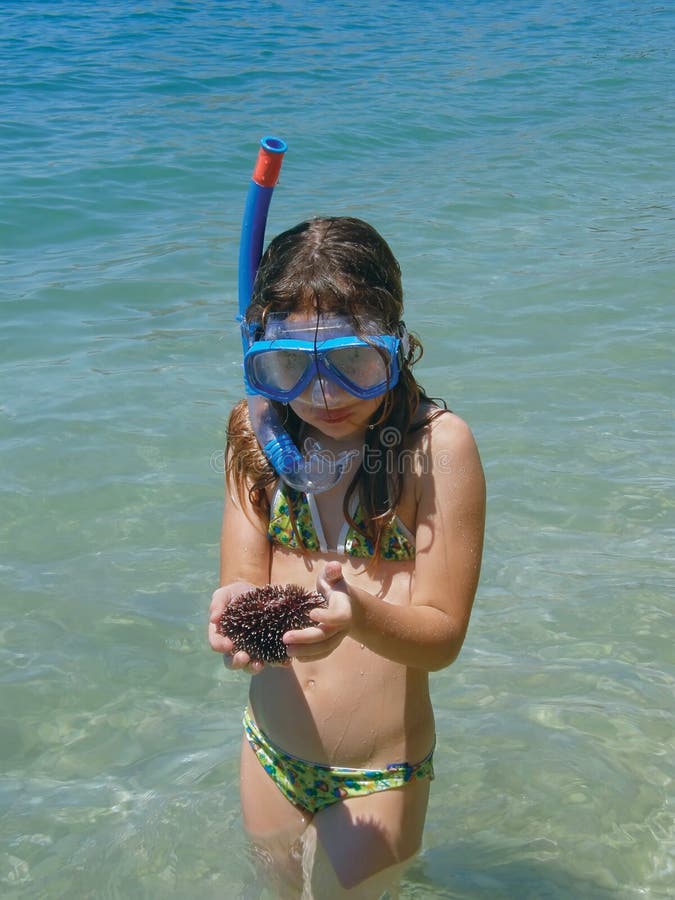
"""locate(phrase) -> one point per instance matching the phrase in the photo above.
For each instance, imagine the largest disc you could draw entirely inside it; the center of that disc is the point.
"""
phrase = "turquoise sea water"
(519, 159)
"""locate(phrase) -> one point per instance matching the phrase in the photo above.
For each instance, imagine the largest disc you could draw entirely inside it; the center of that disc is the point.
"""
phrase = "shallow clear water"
(519, 159)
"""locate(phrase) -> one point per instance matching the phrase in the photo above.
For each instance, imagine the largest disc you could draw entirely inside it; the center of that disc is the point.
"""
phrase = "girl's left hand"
(333, 622)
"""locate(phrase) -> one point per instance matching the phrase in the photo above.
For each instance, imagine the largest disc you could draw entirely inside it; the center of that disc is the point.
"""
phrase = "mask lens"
(278, 370)
(364, 367)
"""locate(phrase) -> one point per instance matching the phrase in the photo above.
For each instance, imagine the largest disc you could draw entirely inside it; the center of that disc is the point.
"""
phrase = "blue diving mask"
(291, 354)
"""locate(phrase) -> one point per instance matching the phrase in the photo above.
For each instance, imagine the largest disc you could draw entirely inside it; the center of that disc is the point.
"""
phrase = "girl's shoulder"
(432, 421)
(439, 438)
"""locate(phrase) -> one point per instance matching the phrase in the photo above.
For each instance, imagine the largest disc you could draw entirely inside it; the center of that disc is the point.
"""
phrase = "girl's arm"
(245, 551)
(428, 633)
(245, 559)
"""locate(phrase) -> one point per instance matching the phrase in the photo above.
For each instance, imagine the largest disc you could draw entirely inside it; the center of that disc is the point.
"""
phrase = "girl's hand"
(219, 642)
(333, 622)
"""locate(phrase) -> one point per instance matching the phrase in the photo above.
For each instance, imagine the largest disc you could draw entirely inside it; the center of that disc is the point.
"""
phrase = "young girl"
(337, 749)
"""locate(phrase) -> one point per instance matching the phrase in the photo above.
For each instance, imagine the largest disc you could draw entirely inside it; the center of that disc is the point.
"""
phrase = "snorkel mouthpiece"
(317, 471)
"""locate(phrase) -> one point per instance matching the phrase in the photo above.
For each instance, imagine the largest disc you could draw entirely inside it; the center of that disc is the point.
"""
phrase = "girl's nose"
(325, 392)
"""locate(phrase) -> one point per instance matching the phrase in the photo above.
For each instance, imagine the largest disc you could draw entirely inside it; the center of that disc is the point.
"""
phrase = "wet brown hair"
(335, 265)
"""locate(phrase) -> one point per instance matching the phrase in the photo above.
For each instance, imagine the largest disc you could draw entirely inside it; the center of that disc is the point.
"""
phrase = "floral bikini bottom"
(313, 786)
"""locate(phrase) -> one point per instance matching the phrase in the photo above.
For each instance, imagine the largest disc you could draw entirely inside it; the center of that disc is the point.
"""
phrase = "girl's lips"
(332, 415)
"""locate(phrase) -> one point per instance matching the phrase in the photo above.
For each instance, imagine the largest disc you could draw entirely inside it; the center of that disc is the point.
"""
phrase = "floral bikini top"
(397, 541)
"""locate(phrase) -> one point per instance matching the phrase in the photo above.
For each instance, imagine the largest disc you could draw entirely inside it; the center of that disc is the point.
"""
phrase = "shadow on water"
(462, 872)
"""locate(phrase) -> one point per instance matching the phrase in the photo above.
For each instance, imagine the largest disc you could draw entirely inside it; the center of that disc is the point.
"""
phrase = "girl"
(337, 751)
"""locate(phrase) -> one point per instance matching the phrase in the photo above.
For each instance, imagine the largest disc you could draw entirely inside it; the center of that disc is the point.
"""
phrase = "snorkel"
(316, 471)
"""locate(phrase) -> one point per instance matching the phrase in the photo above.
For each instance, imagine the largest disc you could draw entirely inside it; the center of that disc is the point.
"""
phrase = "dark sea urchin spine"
(256, 621)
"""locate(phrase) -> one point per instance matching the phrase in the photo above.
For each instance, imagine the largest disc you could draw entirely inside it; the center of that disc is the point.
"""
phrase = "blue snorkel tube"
(316, 471)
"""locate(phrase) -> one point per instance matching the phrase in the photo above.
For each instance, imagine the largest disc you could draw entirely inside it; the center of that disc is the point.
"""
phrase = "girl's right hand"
(219, 642)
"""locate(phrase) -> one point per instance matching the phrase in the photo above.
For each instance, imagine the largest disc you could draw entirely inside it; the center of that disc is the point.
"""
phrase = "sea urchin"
(255, 621)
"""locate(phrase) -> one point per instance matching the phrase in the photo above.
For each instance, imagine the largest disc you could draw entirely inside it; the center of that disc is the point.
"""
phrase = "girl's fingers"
(219, 642)
(332, 572)
(255, 667)
(332, 616)
(329, 578)
(309, 635)
(241, 661)
(317, 650)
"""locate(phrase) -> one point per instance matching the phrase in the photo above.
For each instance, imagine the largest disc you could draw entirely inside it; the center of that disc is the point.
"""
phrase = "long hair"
(337, 265)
